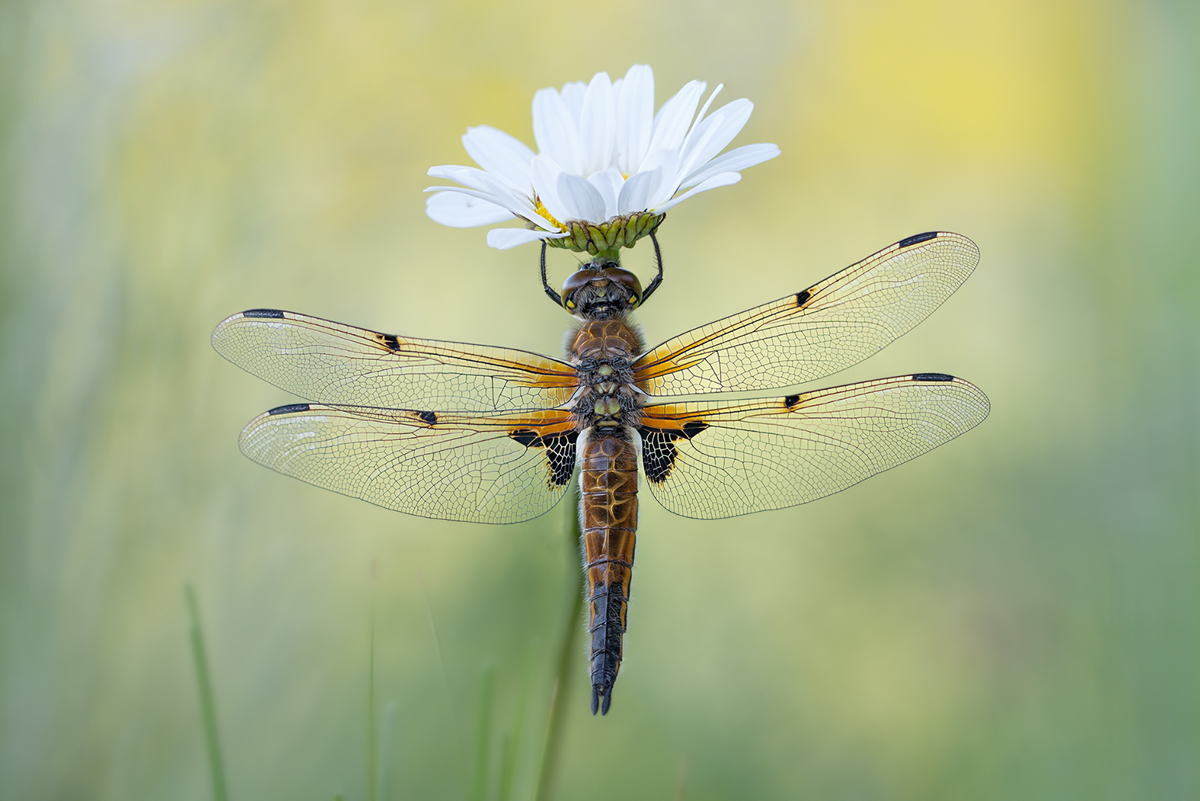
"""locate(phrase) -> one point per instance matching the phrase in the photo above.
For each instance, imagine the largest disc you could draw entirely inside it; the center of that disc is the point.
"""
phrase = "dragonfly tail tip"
(601, 698)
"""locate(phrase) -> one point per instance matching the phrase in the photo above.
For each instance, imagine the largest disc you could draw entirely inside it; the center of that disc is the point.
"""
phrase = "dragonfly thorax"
(603, 352)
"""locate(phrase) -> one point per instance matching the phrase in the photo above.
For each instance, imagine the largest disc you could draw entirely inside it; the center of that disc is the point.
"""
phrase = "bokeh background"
(1011, 616)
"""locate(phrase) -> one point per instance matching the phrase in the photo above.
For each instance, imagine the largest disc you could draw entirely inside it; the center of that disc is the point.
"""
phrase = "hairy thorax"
(604, 352)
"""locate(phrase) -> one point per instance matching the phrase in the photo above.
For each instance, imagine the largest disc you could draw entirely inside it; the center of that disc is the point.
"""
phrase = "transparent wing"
(826, 328)
(714, 460)
(328, 362)
(488, 468)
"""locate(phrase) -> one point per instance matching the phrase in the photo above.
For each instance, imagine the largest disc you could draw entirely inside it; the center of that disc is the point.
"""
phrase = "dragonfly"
(487, 434)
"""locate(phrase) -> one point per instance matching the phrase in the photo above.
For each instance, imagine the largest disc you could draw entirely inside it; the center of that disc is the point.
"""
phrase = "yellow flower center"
(541, 209)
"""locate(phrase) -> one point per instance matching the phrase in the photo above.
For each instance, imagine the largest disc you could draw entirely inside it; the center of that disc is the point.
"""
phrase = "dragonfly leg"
(658, 278)
(554, 296)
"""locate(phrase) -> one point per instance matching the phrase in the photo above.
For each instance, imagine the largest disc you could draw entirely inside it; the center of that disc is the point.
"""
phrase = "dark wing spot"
(390, 340)
(917, 239)
(273, 314)
(429, 417)
(932, 377)
(291, 408)
(524, 436)
(658, 453)
(802, 297)
(791, 400)
(560, 450)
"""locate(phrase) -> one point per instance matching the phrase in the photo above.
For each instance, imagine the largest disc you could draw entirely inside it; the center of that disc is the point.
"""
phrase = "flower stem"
(568, 645)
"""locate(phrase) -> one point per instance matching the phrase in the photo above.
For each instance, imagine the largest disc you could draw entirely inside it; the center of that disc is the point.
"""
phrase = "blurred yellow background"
(1011, 616)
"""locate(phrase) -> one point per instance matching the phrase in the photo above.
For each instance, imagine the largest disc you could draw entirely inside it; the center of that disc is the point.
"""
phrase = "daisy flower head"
(608, 167)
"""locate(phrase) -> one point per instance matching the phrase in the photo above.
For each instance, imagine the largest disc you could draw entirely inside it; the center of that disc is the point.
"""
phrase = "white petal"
(700, 116)
(555, 131)
(635, 193)
(501, 154)
(472, 177)
(545, 174)
(664, 166)
(724, 179)
(598, 124)
(458, 210)
(495, 190)
(608, 184)
(490, 197)
(675, 117)
(469, 176)
(735, 160)
(573, 95)
(516, 210)
(505, 238)
(713, 134)
(475, 193)
(581, 199)
(635, 118)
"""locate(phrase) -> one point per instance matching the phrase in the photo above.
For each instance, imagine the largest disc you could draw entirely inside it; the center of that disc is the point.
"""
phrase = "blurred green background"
(1011, 616)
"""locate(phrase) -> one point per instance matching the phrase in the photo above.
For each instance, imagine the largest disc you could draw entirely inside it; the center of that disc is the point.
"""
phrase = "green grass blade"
(372, 745)
(568, 646)
(483, 731)
(208, 707)
(507, 754)
(386, 744)
(511, 749)
(458, 739)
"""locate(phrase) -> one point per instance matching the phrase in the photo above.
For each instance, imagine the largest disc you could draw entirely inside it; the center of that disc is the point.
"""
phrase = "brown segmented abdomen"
(607, 409)
(608, 517)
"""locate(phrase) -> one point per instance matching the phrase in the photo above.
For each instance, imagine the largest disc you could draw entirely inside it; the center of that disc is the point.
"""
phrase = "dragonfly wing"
(485, 468)
(328, 362)
(714, 460)
(828, 327)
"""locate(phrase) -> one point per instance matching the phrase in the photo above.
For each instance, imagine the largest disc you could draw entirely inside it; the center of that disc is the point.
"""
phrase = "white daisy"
(607, 167)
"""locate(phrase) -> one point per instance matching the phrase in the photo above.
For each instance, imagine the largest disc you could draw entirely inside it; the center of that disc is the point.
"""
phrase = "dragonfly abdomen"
(608, 518)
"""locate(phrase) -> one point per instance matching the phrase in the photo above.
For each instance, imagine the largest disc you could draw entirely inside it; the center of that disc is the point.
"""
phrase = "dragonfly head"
(601, 291)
